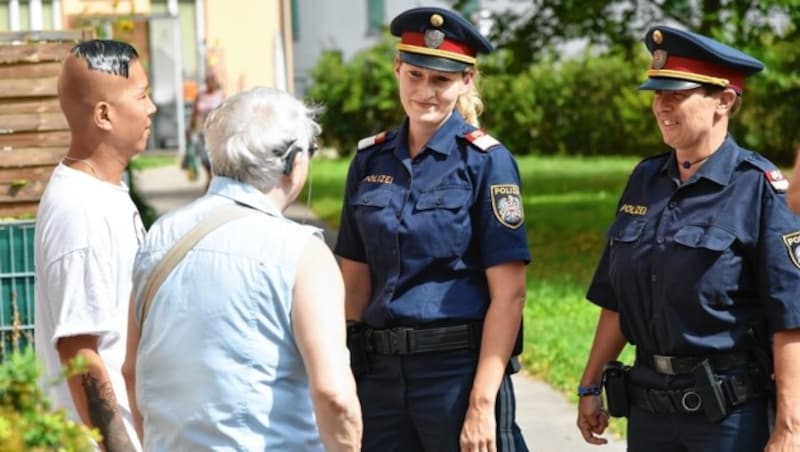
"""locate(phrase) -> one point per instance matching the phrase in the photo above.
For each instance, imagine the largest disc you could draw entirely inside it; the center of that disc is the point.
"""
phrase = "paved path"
(545, 416)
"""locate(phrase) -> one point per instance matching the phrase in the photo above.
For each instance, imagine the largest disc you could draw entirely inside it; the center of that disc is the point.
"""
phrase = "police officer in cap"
(433, 251)
(701, 273)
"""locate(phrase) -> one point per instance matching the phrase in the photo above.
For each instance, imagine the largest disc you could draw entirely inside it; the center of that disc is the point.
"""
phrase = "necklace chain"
(88, 163)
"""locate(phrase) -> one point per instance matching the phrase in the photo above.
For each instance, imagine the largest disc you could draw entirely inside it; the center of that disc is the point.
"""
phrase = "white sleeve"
(81, 294)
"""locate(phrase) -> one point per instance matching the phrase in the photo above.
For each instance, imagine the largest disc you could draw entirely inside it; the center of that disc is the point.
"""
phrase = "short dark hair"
(106, 55)
(711, 90)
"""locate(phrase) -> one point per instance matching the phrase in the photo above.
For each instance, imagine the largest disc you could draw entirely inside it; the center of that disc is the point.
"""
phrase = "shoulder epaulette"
(776, 178)
(367, 142)
(773, 175)
(481, 140)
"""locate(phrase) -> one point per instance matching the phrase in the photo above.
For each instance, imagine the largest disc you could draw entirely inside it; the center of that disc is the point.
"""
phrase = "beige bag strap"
(216, 219)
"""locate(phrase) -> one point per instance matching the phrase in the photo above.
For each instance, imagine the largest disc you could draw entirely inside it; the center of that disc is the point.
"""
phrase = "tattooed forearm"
(104, 414)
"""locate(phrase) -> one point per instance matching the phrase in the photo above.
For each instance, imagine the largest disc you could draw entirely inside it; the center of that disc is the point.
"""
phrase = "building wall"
(243, 41)
(342, 25)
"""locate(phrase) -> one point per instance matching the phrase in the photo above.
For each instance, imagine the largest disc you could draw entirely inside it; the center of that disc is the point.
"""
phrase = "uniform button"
(394, 252)
(438, 201)
(389, 288)
(673, 204)
(653, 278)
(660, 240)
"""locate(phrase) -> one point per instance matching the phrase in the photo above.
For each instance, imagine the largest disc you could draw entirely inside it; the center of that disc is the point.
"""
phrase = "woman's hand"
(783, 440)
(592, 419)
(479, 431)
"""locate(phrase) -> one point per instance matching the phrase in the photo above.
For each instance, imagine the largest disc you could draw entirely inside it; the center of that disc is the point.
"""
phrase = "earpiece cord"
(308, 193)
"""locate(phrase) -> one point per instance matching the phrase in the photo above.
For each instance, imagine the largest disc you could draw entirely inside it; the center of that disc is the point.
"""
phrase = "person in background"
(433, 251)
(87, 234)
(701, 273)
(207, 100)
(243, 346)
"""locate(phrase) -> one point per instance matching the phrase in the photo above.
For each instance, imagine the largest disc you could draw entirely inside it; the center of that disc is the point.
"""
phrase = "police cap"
(685, 60)
(438, 39)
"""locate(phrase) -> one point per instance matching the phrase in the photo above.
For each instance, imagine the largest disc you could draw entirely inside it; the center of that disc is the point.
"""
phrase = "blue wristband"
(593, 390)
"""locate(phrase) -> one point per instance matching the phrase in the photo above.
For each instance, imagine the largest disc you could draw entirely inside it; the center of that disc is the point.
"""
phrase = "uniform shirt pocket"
(710, 262)
(626, 232)
(442, 217)
(712, 238)
(375, 212)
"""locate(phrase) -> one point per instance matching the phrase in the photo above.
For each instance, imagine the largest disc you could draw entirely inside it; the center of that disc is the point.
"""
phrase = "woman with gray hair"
(228, 340)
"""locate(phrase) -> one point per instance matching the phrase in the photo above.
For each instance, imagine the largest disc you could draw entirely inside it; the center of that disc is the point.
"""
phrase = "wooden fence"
(33, 131)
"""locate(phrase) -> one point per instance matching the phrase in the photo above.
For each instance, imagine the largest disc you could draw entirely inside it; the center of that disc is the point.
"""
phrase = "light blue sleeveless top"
(218, 367)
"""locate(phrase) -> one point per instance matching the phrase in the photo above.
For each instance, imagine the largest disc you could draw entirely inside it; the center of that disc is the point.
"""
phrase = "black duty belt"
(677, 365)
(737, 389)
(409, 340)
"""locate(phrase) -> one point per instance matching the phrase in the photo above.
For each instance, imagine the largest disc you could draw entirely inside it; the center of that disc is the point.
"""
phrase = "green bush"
(585, 105)
(359, 97)
(27, 422)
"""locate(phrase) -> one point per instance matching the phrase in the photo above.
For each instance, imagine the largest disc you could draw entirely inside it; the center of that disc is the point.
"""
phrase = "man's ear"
(102, 115)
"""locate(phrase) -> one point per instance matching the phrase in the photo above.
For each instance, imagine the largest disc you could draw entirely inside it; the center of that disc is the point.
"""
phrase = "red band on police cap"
(702, 68)
(448, 45)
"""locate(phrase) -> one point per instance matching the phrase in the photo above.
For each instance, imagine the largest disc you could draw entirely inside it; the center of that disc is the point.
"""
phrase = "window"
(295, 20)
(376, 14)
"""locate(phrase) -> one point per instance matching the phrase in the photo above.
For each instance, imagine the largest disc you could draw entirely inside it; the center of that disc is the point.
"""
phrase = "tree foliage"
(358, 97)
(539, 102)
(620, 26)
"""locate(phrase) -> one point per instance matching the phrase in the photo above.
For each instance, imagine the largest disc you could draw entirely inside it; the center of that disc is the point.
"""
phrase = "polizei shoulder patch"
(367, 142)
(792, 242)
(507, 205)
(482, 140)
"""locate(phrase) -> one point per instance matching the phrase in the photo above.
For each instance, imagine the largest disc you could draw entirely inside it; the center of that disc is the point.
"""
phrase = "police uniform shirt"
(690, 268)
(429, 227)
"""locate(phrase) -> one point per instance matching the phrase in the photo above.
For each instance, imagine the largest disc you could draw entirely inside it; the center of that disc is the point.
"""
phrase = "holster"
(709, 390)
(615, 384)
(358, 344)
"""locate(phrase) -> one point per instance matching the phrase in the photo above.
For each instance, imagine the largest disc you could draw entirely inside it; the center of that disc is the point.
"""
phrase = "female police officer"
(433, 253)
(700, 272)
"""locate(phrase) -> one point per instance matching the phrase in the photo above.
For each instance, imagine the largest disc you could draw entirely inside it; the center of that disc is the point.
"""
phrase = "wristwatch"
(591, 390)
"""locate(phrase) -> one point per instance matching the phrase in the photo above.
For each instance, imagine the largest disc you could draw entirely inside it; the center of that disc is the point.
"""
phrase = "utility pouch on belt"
(710, 391)
(357, 344)
(615, 384)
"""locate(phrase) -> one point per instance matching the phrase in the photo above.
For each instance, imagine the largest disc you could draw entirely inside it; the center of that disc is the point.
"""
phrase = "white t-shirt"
(87, 235)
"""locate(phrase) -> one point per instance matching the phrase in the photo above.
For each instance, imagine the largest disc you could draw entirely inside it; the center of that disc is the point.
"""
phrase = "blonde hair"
(470, 104)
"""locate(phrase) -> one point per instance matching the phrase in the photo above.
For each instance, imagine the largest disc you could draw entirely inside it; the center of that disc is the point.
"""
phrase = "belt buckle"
(663, 364)
(400, 340)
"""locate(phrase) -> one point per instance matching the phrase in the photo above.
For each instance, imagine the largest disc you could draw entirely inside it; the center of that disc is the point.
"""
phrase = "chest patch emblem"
(632, 209)
(507, 205)
(378, 179)
(792, 242)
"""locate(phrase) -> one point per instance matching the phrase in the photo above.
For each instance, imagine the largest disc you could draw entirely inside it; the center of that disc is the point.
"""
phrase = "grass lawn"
(569, 203)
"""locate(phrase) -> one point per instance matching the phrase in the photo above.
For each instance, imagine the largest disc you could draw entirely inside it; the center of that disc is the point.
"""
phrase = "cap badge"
(658, 37)
(433, 38)
(659, 59)
(437, 20)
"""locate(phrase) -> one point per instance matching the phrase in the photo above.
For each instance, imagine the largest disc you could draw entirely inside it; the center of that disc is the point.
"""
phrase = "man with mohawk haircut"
(87, 233)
